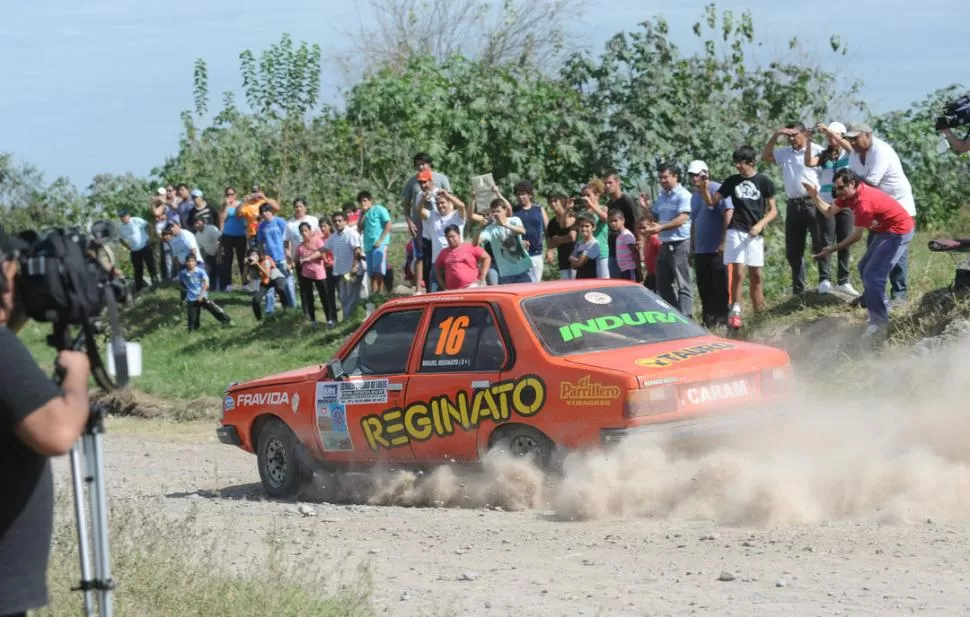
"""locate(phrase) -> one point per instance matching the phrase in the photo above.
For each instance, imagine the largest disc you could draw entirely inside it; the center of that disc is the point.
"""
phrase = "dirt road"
(484, 561)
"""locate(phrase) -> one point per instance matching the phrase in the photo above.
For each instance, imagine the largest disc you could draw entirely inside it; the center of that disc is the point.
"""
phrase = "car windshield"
(604, 318)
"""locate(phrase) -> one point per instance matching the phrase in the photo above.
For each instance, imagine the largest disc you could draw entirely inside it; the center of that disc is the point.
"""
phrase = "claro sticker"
(332, 420)
(443, 415)
(611, 322)
(673, 357)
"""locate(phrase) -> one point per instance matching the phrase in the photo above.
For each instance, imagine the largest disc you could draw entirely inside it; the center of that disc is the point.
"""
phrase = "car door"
(462, 354)
(358, 418)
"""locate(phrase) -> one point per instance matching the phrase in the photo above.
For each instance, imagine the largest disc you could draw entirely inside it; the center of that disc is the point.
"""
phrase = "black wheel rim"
(276, 463)
(524, 445)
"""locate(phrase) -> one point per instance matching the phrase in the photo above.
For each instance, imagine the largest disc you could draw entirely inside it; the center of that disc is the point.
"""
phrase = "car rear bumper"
(228, 435)
(708, 425)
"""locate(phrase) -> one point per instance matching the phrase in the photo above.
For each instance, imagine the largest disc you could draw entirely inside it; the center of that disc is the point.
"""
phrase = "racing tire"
(277, 456)
(521, 441)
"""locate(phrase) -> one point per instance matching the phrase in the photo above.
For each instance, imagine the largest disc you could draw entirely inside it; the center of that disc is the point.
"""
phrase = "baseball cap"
(837, 127)
(424, 175)
(161, 191)
(196, 193)
(858, 128)
(696, 167)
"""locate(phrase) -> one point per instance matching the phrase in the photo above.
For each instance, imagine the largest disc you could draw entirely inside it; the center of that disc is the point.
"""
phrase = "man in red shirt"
(460, 265)
(892, 230)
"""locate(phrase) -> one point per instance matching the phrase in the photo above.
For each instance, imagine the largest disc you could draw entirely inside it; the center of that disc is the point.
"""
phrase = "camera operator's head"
(11, 314)
(860, 136)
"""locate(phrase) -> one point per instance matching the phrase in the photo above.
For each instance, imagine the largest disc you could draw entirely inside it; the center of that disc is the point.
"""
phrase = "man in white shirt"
(877, 163)
(135, 237)
(207, 237)
(801, 215)
(448, 210)
(181, 242)
(348, 262)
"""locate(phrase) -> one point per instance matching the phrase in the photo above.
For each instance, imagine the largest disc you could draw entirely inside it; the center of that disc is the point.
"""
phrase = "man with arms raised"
(707, 247)
(423, 181)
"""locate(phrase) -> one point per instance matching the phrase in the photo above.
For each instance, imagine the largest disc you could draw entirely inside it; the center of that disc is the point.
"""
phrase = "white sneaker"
(872, 331)
(848, 289)
(824, 287)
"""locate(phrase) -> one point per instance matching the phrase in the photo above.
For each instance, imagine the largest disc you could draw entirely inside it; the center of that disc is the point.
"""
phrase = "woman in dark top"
(561, 235)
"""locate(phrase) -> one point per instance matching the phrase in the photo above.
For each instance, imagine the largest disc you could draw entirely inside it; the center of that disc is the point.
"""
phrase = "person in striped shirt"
(623, 248)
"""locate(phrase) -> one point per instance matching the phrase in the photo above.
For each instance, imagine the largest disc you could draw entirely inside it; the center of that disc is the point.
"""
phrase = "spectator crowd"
(697, 231)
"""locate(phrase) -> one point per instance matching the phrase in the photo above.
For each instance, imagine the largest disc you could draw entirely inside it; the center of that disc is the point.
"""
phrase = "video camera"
(955, 114)
(67, 277)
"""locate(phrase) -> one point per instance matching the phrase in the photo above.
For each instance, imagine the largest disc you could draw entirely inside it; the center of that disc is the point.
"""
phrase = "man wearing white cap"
(830, 161)
(877, 163)
(801, 216)
(707, 247)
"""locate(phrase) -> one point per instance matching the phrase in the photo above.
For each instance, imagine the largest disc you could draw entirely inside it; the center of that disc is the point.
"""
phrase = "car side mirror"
(336, 369)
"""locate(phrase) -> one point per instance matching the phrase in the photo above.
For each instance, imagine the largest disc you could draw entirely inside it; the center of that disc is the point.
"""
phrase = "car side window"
(462, 339)
(385, 347)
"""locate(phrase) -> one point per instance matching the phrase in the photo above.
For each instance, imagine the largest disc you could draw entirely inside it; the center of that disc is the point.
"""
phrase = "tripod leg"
(82, 530)
(99, 508)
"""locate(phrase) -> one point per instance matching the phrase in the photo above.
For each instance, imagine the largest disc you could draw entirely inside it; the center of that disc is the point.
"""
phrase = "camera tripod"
(87, 470)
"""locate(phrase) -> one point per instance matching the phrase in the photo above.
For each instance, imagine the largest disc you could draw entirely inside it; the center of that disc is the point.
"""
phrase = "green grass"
(165, 567)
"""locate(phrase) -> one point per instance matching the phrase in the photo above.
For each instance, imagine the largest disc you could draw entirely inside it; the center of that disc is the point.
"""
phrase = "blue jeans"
(289, 297)
(885, 251)
(898, 276)
(525, 277)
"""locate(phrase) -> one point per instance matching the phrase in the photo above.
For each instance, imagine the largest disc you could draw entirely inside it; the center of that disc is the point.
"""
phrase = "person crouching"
(196, 283)
(270, 279)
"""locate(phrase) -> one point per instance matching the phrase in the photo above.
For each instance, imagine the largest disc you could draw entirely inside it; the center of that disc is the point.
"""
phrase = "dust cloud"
(891, 447)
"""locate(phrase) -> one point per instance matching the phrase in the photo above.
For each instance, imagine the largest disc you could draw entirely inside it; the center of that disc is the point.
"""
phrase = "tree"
(655, 104)
(939, 181)
(109, 194)
(527, 32)
(27, 201)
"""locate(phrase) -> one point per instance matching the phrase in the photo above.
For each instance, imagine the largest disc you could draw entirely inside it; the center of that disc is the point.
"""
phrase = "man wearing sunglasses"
(890, 226)
(877, 163)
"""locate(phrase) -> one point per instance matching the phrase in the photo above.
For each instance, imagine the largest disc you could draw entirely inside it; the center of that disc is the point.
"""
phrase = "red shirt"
(651, 251)
(878, 211)
(460, 265)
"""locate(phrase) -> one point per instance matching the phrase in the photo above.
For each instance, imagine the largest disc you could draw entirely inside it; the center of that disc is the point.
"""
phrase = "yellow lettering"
(393, 424)
(457, 411)
(538, 396)
(484, 400)
(373, 432)
(416, 421)
(501, 390)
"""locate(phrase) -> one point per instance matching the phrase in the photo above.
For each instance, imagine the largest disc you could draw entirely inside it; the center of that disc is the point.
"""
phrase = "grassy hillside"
(195, 369)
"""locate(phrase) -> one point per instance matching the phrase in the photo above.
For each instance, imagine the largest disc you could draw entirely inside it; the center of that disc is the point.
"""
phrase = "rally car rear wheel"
(520, 441)
(280, 469)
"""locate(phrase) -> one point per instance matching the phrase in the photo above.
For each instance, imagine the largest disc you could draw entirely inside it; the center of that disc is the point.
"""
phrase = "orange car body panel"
(426, 418)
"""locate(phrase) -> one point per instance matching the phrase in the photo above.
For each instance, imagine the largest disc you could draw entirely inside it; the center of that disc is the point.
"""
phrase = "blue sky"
(97, 86)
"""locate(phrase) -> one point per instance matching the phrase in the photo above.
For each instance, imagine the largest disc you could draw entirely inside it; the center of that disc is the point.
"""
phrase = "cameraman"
(37, 420)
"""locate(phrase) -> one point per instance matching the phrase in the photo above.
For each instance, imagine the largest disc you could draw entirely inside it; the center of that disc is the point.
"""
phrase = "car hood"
(698, 358)
(294, 376)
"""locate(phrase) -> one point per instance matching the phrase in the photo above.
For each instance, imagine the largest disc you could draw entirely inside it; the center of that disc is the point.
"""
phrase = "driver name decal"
(610, 322)
(442, 415)
(672, 357)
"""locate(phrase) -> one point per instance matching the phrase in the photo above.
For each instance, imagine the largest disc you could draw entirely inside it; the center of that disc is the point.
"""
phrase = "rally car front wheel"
(280, 469)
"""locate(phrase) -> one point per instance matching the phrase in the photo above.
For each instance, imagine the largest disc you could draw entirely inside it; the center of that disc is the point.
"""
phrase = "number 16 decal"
(452, 337)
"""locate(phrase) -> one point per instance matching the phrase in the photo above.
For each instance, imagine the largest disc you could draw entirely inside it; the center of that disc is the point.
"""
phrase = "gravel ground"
(488, 561)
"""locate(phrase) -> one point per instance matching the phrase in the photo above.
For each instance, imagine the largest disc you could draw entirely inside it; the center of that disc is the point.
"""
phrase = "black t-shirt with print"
(750, 197)
(26, 483)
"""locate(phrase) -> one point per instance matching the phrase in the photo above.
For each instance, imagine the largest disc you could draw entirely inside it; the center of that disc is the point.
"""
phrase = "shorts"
(377, 261)
(742, 248)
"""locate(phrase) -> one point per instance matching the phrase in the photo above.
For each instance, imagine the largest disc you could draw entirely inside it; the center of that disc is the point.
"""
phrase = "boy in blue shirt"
(196, 283)
(374, 226)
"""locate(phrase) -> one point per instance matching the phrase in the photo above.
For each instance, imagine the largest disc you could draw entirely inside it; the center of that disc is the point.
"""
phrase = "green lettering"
(608, 322)
(628, 319)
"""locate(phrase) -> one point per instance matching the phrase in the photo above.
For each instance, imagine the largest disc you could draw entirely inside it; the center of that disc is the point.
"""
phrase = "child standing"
(269, 276)
(196, 283)
(313, 274)
(651, 252)
(586, 251)
(623, 248)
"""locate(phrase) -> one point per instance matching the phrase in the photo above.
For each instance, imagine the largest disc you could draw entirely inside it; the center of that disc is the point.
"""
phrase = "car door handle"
(479, 385)
(395, 387)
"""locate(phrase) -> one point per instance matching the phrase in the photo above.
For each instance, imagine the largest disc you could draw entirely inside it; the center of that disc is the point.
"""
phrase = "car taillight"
(651, 401)
(776, 380)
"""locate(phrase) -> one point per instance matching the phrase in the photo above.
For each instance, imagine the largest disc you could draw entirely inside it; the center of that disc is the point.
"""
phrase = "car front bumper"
(698, 427)
(228, 435)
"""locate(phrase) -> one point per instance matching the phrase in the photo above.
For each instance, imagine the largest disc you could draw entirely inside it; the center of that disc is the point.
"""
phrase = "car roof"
(516, 290)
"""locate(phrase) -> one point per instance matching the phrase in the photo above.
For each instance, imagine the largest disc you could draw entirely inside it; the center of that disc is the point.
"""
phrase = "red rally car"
(532, 368)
